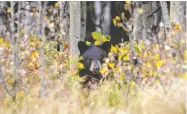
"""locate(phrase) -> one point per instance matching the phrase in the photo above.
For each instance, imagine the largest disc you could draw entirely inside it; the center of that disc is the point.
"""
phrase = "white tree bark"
(98, 11)
(146, 9)
(107, 19)
(103, 16)
(43, 89)
(14, 47)
(64, 20)
(157, 14)
(26, 18)
(75, 27)
(165, 14)
(137, 23)
(177, 13)
(83, 20)
(2, 26)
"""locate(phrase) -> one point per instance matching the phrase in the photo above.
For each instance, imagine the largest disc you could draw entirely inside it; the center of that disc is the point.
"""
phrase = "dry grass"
(71, 98)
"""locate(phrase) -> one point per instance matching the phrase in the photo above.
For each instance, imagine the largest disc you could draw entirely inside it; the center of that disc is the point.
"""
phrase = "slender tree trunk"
(2, 26)
(177, 13)
(83, 20)
(137, 23)
(98, 11)
(64, 22)
(107, 19)
(75, 29)
(165, 14)
(43, 89)
(14, 48)
(102, 16)
(1, 75)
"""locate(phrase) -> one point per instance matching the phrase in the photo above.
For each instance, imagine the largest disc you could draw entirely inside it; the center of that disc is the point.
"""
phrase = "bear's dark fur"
(92, 60)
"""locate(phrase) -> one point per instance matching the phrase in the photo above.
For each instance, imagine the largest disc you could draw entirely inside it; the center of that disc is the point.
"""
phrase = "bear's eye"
(89, 60)
(101, 60)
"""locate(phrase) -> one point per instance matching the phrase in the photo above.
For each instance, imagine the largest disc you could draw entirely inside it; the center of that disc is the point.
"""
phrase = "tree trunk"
(165, 14)
(137, 23)
(98, 11)
(75, 29)
(83, 20)
(107, 19)
(64, 20)
(43, 89)
(2, 25)
(177, 13)
(102, 16)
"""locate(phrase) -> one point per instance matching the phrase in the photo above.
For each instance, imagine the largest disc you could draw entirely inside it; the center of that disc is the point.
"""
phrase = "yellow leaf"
(114, 22)
(140, 10)
(122, 77)
(157, 56)
(56, 4)
(141, 45)
(32, 44)
(117, 18)
(159, 64)
(123, 16)
(123, 51)
(57, 54)
(103, 70)
(19, 54)
(185, 76)
(96, 35)
(119, 57)
(126, 58)
(10, 80)
(7, 44)
(119, 24)
(117, 69)
(105, 38)
(19, 94)
(132, 83)
(80, 58)
(97, 43)
(80, 65)
(9, 10)
(154, 73)
(1, 40)
(113, 49)
(35, 53)
(177, 27)
(111, 65)
(88, 43)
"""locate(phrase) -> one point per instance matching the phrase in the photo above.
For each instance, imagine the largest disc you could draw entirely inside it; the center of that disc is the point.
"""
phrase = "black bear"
(92, 60)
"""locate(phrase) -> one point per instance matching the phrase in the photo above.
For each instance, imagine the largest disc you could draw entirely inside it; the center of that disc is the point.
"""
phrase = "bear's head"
(93, 58)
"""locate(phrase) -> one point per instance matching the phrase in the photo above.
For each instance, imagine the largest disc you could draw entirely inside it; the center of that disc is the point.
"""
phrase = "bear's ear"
(82, 46)
(106, 46)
